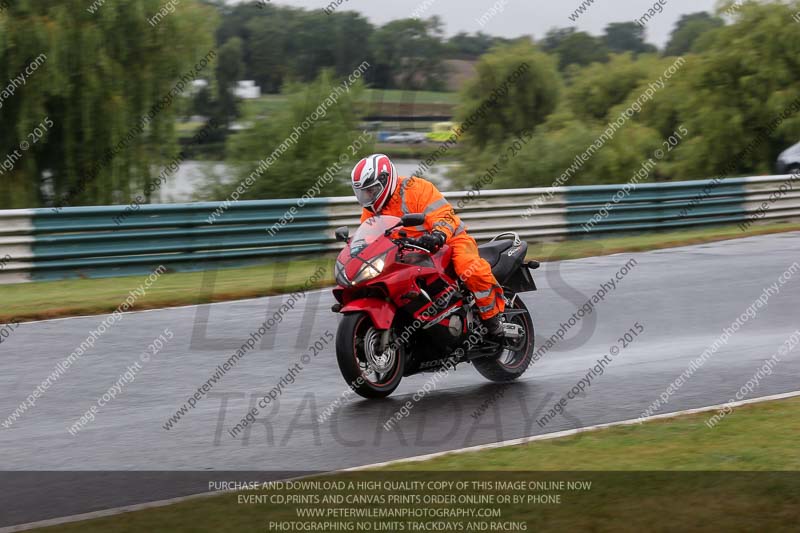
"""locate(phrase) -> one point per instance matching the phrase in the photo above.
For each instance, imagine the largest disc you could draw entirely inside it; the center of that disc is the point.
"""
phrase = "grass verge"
(273, 103)
(665, 475)
(53, 299)
(76, 297)
(575, 249)
(396, 96)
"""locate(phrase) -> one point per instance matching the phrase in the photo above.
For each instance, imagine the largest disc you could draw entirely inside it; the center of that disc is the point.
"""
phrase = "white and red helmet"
(374, 180)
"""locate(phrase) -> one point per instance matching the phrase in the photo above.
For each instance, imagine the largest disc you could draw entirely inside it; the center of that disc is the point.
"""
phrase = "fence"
(42, 244)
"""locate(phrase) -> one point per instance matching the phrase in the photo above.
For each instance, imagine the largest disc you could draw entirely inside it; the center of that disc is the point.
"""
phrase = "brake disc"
(379, 361)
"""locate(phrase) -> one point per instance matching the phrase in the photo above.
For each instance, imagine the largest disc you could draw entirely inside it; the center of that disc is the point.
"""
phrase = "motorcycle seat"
(491, 251)
(503, 259)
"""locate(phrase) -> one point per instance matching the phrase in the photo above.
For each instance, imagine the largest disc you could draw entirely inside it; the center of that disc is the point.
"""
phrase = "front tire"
(514, 360)
(370, 371)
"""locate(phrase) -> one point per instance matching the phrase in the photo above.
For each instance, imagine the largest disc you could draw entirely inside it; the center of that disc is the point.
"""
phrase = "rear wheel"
(517, 354)
(368, 359)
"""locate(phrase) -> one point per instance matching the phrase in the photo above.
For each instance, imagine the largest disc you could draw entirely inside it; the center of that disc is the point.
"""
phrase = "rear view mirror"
(413, 219)
(342, 234)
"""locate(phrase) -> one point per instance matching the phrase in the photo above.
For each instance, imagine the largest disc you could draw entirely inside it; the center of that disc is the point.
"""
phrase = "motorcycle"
(407, 312)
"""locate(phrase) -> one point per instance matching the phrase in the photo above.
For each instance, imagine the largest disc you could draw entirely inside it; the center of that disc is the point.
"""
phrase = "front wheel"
(368, 359)
(515, 358)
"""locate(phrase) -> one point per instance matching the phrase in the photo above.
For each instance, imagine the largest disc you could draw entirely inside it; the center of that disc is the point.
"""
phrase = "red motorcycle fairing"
(409, 280)
(380, 311)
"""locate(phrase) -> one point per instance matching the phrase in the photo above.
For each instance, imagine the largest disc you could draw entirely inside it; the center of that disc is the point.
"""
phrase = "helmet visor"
(369, 195)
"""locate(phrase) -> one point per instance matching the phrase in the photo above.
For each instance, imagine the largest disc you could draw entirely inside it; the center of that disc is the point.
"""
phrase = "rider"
(380, 190)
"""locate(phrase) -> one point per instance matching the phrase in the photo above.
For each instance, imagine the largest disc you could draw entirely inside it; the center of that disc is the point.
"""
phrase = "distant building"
(459, 72)
(247, 90)
(197, 86)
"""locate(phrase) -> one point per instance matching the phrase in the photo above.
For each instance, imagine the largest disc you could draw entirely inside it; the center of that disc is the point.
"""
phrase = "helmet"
(374, 180)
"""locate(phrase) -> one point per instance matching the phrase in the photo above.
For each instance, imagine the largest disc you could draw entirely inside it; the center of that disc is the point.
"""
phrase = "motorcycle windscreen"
(370, 231)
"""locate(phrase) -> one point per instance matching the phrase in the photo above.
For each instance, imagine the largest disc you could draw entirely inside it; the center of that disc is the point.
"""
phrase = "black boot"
(494, 327)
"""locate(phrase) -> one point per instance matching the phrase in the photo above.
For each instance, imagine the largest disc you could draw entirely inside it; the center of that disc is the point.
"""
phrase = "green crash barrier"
(105, 241)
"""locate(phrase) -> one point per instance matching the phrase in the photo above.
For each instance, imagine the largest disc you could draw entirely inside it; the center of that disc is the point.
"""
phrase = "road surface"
(683, 298)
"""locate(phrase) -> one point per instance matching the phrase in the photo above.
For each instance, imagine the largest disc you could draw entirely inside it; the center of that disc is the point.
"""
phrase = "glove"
(432, 241)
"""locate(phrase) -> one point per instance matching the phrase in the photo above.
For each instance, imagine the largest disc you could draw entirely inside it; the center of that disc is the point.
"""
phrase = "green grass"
(31, 301)
(51, 299)
(667, 475)
(393, 96)
(267, 104)
(188, 129)
(575, 249)
(271, 103)
(758, 437)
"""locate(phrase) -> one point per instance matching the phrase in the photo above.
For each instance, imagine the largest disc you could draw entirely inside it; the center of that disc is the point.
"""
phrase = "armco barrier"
(42, 244)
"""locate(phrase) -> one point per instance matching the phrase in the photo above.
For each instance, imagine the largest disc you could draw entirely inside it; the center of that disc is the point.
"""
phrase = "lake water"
(191, 175)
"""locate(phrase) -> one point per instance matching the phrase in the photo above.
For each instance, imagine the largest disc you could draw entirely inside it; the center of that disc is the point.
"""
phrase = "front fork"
(385, 339)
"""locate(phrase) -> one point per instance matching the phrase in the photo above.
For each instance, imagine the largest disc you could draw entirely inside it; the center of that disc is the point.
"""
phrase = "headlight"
(341, 277)
(371, 270)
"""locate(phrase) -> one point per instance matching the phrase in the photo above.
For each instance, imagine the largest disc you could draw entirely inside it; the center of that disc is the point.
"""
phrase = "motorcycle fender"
(521, 280)
(380, 311)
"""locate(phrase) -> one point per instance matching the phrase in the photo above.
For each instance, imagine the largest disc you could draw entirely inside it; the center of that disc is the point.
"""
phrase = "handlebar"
(408, 242)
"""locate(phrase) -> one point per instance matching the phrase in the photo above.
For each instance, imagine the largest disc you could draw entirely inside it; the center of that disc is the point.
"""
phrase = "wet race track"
(678, 302)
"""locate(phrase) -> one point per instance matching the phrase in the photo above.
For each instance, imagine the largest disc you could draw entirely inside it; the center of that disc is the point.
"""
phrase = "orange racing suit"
(416, 195)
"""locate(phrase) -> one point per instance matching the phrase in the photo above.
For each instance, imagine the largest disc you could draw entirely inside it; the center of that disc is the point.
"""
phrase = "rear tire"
(355, 339)
(510, 364)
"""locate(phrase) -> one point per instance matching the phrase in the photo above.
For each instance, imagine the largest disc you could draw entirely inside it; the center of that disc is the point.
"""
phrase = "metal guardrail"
(42, 244)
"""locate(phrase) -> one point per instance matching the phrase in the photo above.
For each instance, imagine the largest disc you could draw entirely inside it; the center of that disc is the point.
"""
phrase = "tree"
(627, 37)
(740, 103)
(688, 30)
(101, 74)
(350, 36)
(597, 88)
(551, 153)
(267, 39)
(408, 54)
(466, 46)
(522, 86)
(574, 47)
(554, 37)
(230, 69)
(323, 145)
(282, 44)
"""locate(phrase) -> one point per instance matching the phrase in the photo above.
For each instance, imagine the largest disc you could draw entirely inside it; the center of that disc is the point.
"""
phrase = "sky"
(520, 17)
